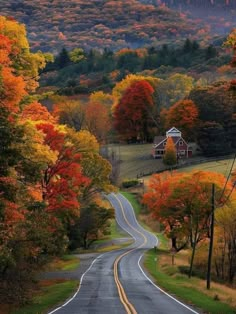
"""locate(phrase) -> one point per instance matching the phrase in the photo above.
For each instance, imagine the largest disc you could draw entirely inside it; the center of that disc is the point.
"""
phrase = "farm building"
(182, 148)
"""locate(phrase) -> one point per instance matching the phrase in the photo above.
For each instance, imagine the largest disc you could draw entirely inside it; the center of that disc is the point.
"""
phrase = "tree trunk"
(193, 252)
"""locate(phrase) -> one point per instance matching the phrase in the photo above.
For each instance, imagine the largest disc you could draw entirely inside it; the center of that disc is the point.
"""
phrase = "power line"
(230, 172)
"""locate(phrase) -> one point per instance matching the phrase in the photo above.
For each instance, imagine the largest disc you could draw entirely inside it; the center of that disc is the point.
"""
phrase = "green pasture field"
(136, 159)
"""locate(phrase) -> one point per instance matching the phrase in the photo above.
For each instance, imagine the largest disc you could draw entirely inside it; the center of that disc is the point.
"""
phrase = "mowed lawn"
(136, 159)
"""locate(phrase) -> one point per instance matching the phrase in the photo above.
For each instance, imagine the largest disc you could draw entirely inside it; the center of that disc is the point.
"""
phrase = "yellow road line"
(123, 298)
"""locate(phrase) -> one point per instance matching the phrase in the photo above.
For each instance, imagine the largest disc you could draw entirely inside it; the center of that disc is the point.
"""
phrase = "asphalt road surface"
(115, 281)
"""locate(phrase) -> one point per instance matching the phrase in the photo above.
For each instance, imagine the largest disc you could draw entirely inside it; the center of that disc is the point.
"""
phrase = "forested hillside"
(102, 24)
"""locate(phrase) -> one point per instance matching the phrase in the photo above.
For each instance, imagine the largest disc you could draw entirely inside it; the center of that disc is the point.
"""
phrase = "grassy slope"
(136, 159)
(184, 288)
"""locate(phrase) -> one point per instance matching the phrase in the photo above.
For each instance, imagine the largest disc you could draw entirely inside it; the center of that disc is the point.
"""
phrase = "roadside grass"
(134, 202)
(66, 262)
(115, 231)
(113, 247)
(143, 218)
(52, 292)
(218, 300)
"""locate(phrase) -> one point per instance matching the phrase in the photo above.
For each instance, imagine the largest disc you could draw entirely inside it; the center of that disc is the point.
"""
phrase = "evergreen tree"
(63, 59)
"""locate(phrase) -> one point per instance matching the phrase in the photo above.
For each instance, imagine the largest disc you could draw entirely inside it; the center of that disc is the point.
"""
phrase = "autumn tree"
(225, 246)
(25, 63)
(98, 120)
(182, 203)
(93, 219)
(170, 155)
(132, 114)
(36, 112)
(173, 89)
(159, 202)
(102, 98)
(183, 115)
(64, 177)
(24, 243)
(71, 113)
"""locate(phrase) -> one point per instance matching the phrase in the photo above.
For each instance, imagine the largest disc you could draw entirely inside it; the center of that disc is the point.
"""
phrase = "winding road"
(115, 281)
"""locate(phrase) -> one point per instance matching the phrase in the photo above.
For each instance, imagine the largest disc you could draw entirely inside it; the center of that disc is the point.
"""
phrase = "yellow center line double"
(123, 298)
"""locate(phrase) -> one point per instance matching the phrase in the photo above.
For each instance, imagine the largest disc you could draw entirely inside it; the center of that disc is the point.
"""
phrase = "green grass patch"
(134, 202)
(113, 247)
(183, 287)
(163, 242)
(50, 296)
(220, 166)
(116, 231)
(136, 159)
(66, 262)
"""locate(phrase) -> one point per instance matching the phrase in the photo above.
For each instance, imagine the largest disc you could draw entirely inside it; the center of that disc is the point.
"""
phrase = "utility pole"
(211, 237)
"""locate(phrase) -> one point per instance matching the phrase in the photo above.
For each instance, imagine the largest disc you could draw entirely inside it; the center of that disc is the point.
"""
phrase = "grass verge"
(66, 262)
(51, 294)
(190, 291)
(134, 202)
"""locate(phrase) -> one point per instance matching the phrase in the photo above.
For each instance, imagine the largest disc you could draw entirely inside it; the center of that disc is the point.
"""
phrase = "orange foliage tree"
(98, 120)
(183, 115)
(170, 155)
(182, 203)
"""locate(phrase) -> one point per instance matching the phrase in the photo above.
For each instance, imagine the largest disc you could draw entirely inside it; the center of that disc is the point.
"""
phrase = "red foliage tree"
(133, 113)
(62, 181)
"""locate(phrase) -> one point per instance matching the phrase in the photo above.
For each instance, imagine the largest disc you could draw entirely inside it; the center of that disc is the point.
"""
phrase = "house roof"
(173, 132)
(159, 139)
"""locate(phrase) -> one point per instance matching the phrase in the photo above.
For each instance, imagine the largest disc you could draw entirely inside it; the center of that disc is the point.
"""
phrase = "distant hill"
(220, 15)
(53, 24)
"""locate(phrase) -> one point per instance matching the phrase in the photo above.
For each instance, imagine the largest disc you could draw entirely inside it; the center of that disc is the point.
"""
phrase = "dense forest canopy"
(112, 24)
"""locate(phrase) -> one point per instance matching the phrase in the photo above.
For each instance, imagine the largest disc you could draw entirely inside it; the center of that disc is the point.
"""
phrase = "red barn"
(182, 148)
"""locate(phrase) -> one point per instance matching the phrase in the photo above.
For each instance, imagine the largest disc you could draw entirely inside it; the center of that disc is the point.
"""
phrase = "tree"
(231, 42)
(183, 115)
(213, 139)
(93, 218)
(225, 247)
(63, 180)
(170, 155)
(173, 89)
(71, 113)
(102, 98)
(159, 202)
(98, 124)
(63, 59)
(36, 112)
(214, 103)
(26, 65)
(132, 114)
(182, 203)
(77, 55)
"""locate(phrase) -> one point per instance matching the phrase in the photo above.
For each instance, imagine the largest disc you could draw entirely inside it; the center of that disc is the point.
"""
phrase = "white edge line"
(81, 280)
(157, 287)
(132, 236)
(170, 296)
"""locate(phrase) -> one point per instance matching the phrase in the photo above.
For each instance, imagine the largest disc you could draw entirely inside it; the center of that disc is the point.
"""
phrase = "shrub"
(130, 183)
